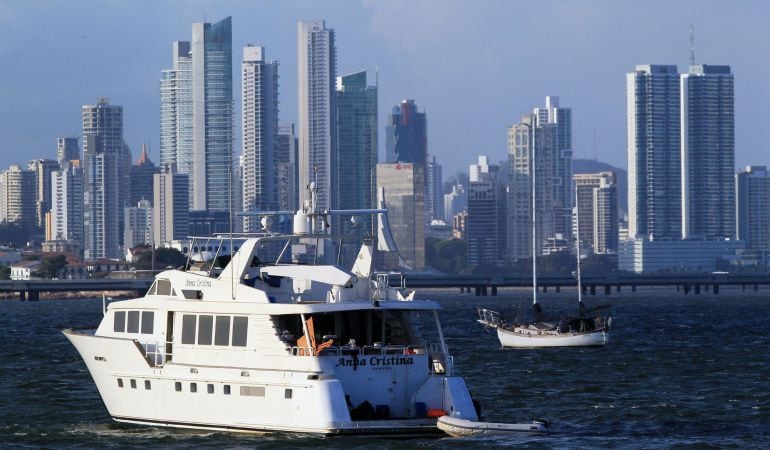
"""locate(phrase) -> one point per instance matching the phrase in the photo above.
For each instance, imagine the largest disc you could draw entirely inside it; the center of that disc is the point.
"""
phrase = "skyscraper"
(355, 179)
(753, 207)
(654, 162)
(316, 72)
(141, 178)
(560, 171)
(605, 217)
(406, 134)
(259, 130)
(525, 139)
(42, 168)
(170, 214)
(485, 226)
(434, 199)
(138, 225)
(708, 152)
(197, 114)
(104, 155)
(18, 202)
(67, 149)
(67, 204)
(597, 214)
(404, 186)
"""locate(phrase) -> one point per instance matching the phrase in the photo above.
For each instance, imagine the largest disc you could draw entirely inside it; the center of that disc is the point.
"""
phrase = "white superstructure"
(286, 346)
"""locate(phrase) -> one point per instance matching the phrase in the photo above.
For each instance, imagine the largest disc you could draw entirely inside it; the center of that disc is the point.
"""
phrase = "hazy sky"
(474, 66)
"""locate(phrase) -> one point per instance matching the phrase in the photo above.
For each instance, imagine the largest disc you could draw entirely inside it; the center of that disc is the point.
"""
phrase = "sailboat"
(583, 330)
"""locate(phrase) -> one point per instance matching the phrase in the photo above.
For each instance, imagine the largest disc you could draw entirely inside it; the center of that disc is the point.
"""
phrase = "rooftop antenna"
(692, 44)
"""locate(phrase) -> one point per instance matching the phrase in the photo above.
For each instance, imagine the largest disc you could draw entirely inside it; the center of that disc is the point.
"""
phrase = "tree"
(51, 266)
(447, 256)
(164, 257)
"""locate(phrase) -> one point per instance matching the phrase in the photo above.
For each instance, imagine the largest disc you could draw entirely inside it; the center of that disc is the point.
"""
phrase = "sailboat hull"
(523, 337)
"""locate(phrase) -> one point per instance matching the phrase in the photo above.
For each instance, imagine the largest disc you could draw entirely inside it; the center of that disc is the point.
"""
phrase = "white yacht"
(279, 347)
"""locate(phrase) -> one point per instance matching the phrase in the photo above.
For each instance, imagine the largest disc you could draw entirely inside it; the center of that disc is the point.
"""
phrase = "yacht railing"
(489, 318)
(154, 352)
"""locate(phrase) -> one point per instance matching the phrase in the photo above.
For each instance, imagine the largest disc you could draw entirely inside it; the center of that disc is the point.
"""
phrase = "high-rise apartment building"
(455, 202)
(355, 180)
(67, 149)
(532, 150)
(404, 186)
(104, 175)
(406, 134)
(197, 114)
(654, 162)
(259, 104)
(708, 152)
(485, 226)
(170, 213)
(597, 210)
(434, 199)
(17, 205)
(316, 73)
(605, 217)
(42, 169)
(560, 170)
(753, 207)
(66, 222)
(138, 225)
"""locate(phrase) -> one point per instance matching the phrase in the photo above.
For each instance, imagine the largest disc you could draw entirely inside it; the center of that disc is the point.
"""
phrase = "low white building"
(642, 255)
(23, 270)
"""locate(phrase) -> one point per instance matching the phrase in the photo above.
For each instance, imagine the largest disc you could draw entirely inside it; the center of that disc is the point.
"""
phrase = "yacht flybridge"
(292, 345)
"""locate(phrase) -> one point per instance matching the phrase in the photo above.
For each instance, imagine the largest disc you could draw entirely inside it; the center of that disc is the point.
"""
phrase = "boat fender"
(436, 413)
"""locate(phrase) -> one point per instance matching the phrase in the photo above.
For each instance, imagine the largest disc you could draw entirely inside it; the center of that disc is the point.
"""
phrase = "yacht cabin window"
(119, 323)
(147, 322)
(133, 322)
(209, 329)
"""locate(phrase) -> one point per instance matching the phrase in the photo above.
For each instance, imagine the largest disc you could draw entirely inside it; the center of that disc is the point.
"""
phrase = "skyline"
(419, 55)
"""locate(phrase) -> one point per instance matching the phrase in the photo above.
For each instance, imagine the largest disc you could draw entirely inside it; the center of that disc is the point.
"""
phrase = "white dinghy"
(457, 427)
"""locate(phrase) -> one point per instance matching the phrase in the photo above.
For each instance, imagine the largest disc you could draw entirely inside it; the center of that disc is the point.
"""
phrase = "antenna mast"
(692, 44)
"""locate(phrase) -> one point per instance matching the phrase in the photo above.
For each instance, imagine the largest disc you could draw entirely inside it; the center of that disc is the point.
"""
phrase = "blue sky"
(474, 66)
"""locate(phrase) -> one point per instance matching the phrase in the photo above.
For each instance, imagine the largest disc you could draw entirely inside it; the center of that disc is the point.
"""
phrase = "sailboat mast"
(532, 130)
(577, 246)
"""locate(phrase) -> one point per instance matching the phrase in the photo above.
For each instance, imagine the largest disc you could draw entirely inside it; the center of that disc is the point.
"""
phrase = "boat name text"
(197, 283)
(375, 361)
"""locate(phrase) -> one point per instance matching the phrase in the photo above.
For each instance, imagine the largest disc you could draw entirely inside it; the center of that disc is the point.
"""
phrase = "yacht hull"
(526, 338)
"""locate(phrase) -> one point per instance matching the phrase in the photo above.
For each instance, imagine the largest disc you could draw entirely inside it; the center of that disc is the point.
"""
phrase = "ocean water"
(679, 372)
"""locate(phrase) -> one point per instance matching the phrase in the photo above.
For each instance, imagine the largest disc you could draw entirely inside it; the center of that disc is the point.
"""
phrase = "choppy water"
(680, 371)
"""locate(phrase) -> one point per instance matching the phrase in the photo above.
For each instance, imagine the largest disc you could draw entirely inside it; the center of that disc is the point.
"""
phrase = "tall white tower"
(316, 65)
(259, 131)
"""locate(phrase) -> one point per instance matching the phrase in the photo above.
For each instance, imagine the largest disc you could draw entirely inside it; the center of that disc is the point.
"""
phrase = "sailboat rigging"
(581, 331)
